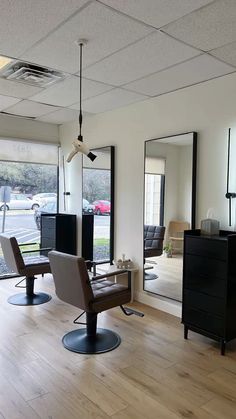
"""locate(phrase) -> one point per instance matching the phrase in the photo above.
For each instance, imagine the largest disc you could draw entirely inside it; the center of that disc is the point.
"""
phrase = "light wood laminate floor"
(154, 374)
(170, 272)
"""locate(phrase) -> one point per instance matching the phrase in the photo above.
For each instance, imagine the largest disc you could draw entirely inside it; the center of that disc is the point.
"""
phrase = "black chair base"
(150, 277)
(78, 341)
(29, 300)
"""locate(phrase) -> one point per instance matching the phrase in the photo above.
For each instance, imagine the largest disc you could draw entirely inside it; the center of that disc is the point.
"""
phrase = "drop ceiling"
(136, 50)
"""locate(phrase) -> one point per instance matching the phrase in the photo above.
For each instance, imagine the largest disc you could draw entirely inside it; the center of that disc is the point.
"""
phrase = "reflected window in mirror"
(154, 190)
(98, 206)
(169, 209)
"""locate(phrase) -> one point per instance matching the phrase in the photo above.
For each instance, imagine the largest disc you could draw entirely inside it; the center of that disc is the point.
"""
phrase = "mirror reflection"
(98, 192)
(169, 209)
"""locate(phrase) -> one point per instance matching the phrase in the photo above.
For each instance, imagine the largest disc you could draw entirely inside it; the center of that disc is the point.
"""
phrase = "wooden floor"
(170, 272)
(154, 374)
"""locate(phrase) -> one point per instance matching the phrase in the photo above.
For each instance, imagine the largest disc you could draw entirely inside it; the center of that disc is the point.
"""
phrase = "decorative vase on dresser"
(209, 285)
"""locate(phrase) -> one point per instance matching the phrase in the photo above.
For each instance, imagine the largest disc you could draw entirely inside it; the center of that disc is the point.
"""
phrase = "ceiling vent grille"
(17, 116)
(31, 74)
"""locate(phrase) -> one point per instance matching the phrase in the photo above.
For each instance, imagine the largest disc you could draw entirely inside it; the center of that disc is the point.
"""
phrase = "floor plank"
(154, 373)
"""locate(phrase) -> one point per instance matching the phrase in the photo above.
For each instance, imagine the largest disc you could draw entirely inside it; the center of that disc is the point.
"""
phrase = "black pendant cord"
(80, 137)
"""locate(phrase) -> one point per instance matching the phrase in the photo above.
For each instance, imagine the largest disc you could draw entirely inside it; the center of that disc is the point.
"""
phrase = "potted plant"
(168, 250)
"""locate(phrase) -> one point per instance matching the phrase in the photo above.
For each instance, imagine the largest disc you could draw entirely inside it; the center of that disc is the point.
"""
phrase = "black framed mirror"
(169, 209)
(98, 206)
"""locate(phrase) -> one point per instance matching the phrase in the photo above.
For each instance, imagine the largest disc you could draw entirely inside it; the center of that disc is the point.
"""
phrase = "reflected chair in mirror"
(153, 246)
(176, 235)
(28, 267)
(92, 295)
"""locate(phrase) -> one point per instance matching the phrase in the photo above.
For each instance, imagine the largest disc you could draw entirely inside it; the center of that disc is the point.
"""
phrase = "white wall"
(73, 177)
(185, 183)
(208, 108)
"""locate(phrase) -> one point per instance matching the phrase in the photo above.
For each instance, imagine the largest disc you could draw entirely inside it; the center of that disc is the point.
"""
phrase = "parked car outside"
(87, 207)
(43, 198)
(102, 207)
(47, 208)
(19, 202)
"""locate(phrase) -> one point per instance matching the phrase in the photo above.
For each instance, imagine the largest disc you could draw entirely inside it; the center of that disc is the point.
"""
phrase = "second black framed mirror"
(169, 209)
(98, 206)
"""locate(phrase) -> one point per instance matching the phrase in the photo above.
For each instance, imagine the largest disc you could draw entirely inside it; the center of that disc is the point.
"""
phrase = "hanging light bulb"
(78, 145)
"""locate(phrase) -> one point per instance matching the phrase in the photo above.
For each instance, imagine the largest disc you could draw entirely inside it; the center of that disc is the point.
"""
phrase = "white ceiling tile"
(30, 109)
(6, 101)
(156, 12)
(151, 54)
(66, 93)
(60, 117)
(226, 53)
(110, 100)
(207, 28)
(106, 32)
(197, 70)
(16, 89)
(24, 22)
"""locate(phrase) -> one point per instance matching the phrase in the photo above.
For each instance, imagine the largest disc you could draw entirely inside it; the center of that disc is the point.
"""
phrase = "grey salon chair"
(28, 267)
(93, 296)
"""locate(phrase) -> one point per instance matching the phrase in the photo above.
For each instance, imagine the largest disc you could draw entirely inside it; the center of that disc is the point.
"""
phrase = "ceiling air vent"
(17, 116)
(31, 74)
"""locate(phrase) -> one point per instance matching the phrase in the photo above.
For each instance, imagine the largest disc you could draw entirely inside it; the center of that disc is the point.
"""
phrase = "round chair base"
(150, 277)
(28, 300)
(78, 341)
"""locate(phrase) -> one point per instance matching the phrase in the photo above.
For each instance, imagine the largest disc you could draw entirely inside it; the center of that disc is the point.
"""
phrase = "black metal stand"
(30, 298)
(91, 340)
(185, 332)
(222, 347)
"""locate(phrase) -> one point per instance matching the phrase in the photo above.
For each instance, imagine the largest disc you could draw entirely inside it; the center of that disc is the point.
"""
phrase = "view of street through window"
(32, 188)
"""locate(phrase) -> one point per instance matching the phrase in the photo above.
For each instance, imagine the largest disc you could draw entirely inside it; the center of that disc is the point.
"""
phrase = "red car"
(102, 207)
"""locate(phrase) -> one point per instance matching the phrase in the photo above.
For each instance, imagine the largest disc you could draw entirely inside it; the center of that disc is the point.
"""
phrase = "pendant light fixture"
(78, 145)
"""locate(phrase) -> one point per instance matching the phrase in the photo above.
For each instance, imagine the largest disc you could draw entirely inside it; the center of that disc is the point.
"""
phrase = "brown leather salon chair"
(28, 266)
(93, 296)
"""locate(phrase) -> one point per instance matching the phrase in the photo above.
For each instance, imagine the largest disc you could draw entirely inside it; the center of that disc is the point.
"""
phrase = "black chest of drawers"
(209, 285)
(58, 232)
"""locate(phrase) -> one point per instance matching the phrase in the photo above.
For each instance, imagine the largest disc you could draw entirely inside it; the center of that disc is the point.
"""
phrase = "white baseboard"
(171, 307)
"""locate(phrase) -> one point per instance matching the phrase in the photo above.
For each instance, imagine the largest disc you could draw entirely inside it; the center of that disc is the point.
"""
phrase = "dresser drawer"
(203, 266)
(48, 222)
(216, 249)
(204, 321)
(205, 284)
(203, 302)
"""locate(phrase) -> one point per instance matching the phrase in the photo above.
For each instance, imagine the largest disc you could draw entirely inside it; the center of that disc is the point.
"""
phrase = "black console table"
(58, 231)
(209, 285)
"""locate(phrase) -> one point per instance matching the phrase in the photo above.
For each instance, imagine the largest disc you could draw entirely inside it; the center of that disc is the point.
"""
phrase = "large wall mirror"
(98, 206)
(169, 209)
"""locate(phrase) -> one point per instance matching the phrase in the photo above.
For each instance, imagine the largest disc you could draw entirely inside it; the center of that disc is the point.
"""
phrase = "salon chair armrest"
(37, 250)
(109, 274)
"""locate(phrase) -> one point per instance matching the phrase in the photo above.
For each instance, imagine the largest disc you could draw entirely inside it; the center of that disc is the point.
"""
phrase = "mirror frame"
(112, 200)
(194, 192)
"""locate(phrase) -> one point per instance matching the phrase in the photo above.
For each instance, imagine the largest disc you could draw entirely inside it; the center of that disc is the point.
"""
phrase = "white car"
(19, 201)
(87, 207)
(43, 198)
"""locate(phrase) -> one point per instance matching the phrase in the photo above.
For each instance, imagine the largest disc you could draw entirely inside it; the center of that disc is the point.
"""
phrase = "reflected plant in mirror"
(98, 206)
(169, 209)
